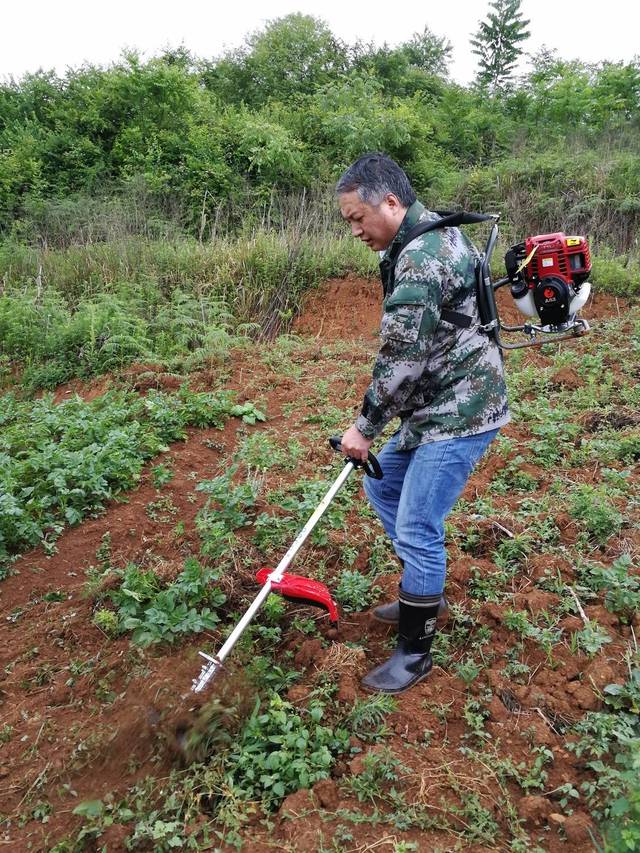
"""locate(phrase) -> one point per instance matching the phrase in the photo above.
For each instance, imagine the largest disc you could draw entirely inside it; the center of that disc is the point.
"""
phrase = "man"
(444, 381)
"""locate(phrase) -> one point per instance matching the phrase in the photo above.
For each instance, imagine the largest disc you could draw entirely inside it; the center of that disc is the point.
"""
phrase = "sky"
(57, 34)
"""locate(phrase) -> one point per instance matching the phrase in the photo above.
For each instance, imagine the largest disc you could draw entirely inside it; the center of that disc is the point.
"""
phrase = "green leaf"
(89, 808)
(620, 807)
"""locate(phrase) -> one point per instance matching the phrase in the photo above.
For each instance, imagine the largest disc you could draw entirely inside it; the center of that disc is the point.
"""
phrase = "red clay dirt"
(91, 715)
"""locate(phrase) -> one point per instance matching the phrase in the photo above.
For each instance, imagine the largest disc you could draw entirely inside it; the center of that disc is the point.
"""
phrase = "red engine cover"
(559, 255)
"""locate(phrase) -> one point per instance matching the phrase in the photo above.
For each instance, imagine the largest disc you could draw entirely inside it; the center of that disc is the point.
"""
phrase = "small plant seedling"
(162, 510)
(592, 638)
(467, 670)
(107, 621)
(162, 474)
(354, 591)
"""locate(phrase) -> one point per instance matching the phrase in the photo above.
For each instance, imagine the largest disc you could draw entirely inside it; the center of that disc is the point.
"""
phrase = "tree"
(417, 65)
(428, 52)
(294, 55)
(497, 44)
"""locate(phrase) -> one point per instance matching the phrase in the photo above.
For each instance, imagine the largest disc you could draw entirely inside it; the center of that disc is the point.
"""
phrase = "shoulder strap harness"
(447, 220)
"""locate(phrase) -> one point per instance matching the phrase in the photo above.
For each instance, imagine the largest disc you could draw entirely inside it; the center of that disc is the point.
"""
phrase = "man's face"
(375, 225)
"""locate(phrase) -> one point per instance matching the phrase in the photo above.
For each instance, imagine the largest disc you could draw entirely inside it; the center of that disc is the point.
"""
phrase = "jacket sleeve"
(410, 318)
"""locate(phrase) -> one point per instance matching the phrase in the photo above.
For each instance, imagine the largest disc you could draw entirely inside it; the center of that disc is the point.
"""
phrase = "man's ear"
(394, 205)
(393, 201)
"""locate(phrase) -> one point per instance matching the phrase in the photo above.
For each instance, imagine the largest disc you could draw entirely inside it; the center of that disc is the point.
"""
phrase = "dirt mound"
(351, 307)
(343, 308)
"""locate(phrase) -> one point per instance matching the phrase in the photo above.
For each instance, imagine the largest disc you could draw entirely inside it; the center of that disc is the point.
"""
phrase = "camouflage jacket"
(440, 380)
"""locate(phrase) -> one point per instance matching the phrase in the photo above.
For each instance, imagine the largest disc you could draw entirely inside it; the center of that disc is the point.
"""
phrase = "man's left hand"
(355, 445)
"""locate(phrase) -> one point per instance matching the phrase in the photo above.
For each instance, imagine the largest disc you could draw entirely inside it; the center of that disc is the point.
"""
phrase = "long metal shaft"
(210, 669)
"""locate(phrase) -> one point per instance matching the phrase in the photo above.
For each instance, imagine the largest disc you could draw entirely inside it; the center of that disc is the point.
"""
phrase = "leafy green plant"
(161, 475)
(232, 502)
(485, 586)
(281, 750)
(467, 670)
(61, 462)
(227, 508)
(354, 590)
(378, 770)
(513, 478)
(622, 831)
(301, 500)
(480, 823)
(600, 732)
(512, 552)
(107, 621)
(273, 608)
(366, 718)
(260, 451)
(272, 531)
(156, 615)
(592, 638)
(625, 696)
(593, 508)
(382, 559)
(619, 582)
(475, 715)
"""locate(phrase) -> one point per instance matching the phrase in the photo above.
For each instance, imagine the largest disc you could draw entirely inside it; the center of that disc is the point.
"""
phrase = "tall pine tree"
(497, 43)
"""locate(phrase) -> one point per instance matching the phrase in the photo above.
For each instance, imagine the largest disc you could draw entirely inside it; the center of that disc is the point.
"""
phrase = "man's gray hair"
(374, 175)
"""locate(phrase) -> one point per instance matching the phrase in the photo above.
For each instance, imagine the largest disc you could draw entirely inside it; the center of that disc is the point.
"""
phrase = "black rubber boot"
(390, 613)
(411, 661)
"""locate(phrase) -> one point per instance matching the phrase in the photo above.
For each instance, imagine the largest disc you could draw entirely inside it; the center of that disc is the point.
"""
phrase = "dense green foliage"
(280, 751)
(155, 614)
(156, 147)
(62, 462)
(156, 210)
(104, 305)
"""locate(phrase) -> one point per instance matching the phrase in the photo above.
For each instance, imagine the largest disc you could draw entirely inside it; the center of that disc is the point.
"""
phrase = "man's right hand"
(355, 445)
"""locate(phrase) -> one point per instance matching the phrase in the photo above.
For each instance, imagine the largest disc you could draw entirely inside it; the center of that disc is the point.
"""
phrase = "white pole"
(210, 669)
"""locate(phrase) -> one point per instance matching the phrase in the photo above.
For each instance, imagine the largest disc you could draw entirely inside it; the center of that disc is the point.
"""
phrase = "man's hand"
(355, 445)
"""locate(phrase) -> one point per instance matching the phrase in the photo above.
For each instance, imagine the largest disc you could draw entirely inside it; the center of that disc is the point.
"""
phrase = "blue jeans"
(415, 496)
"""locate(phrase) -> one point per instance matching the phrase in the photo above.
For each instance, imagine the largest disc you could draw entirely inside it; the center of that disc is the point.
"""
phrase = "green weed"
(592, 638)
(161, 475)
(378, 770)
(155, 614)
(281, 750)
(107, 621)
(366, 718)
(354, 590)
(618, 581)
(593, 508)
(61, 462)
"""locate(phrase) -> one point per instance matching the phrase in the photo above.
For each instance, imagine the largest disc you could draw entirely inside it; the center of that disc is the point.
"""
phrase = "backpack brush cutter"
(548, 277)
(293, 587)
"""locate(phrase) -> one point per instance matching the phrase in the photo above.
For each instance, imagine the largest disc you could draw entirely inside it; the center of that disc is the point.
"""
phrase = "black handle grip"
(371, 467)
